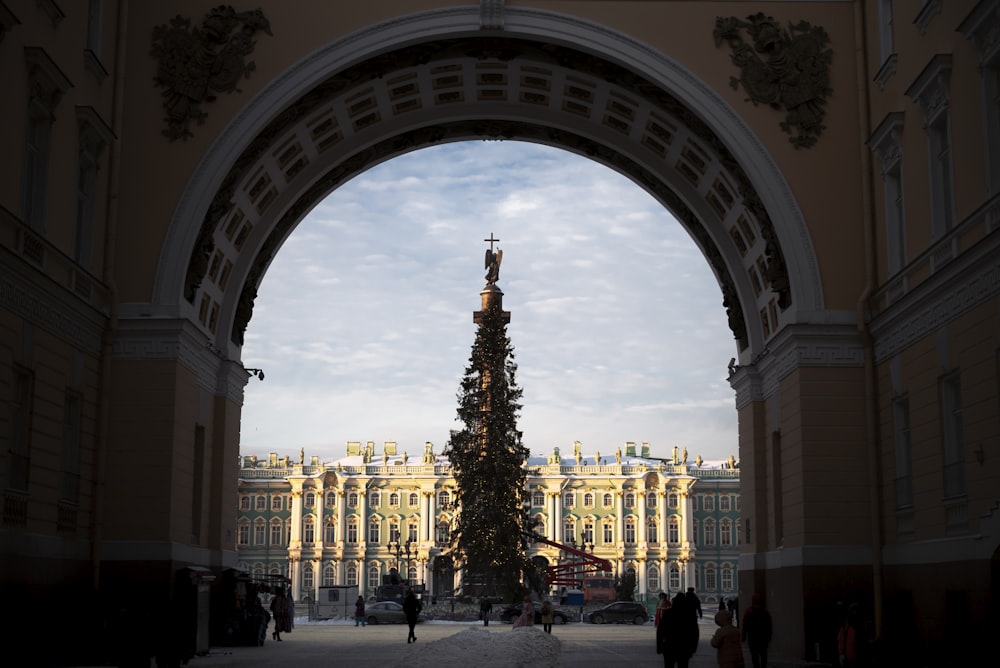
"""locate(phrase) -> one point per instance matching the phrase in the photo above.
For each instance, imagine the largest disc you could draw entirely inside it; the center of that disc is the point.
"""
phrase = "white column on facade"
(341, 520)
(640, 529)
(640, 576)
(557, 517)
(687, 527)
(295, 531)
(662, 526)
(620, 509)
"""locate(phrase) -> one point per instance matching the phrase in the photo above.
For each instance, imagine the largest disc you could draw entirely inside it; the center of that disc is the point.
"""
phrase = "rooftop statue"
(492, 262)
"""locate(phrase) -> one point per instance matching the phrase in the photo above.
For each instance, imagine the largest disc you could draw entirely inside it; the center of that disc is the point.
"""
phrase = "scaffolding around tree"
(571, 573)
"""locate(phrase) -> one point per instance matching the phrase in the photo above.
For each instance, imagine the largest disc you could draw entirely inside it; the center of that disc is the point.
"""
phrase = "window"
(243, 536)
(444, 499)
(94, 134)
(331, 500)
(276, 502)
(330, 531)
(708, 502)
(443, 533)
(569, 531)
(394, 534)
(951, 415)
(653, 579)
(47, 84)
(609, 533)
(736, 502)
(352, 500)
(352, 531)
(414, 500)
(696, 525)
(244, 503)
(568, 499)
(709, 533)
(411, 532)
(374, 528)
(374, 499)
(673, 500)
(727, 578)
(710, 584)
(885, 41)
(309, 500)
(260, 503)
(675, 578)
(609, 501)
(588, 500)
(329, 575)
(352, 576)
(588, 531)
(930, 92)
(726, 532)
(651, 533)
(630, 531)
(538, 499)
(259, 532)
(904, 471)
(724, 503)
(673, 530)
(309, 531)
(307, 578)
(630, 500)
(373, 577)
(886, 143)
(651, 501)
(276, 532)
(70, 461)
(394, 500)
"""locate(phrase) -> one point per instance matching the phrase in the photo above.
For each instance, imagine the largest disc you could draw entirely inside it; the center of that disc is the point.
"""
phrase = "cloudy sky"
(363, 323)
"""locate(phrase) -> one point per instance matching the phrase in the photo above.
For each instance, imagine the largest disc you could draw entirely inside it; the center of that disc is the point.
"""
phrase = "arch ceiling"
(543, 78)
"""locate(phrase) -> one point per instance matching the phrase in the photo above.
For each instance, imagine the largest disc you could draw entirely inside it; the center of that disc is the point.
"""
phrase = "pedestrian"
(281, 611)
(527, 616)
(548, 615)
(757, 630)
(359, 612)
(694, 603)
(662, 604)
(727, 641)
(852, 638)
(485, 608)
(411, 608)
(676, 634)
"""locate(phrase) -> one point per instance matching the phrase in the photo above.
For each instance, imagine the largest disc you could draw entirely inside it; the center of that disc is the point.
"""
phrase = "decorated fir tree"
(487, 459)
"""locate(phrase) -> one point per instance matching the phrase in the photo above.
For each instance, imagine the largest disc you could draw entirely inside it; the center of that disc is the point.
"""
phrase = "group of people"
(677, 632)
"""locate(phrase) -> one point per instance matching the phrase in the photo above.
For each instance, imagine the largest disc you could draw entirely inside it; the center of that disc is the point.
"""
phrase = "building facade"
(671, 523)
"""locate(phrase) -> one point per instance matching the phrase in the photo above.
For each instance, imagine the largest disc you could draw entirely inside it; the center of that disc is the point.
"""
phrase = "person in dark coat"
(411, 608)
(756, 627)
(485, 608)
(281, 610)
(677, 634)
(694, 603)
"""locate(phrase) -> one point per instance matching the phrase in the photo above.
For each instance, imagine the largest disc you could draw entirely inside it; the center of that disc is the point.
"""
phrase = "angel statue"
(492, 265)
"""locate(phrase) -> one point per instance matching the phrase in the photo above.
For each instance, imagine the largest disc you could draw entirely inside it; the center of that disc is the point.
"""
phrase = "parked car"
(511, 612)
(619, 611)
(386, 612)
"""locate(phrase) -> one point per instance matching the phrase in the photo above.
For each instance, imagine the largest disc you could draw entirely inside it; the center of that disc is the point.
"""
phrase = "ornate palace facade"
(673, 523)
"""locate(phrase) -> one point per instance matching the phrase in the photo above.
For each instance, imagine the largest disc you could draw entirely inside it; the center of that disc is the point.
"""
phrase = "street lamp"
(404, 548)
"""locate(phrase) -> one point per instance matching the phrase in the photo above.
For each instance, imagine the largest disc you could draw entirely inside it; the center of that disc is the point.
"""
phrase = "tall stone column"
(662, 526)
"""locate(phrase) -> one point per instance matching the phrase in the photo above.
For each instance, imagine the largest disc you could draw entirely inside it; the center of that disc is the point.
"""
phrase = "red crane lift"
(570, 573)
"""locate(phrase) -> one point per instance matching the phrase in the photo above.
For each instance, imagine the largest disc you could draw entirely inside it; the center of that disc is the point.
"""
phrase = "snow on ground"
(482, 648)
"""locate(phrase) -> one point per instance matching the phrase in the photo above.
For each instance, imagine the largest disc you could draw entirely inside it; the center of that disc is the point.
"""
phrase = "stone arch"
(436, 77)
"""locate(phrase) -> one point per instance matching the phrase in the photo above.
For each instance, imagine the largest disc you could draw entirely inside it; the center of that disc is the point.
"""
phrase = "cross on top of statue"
(492, 262)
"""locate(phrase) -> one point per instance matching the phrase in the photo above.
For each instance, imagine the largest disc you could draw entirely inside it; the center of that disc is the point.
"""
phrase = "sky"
(363, 322)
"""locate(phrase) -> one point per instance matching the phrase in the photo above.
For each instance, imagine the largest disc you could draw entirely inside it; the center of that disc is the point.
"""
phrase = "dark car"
(619, 611)
(511, 612)
(385, 612)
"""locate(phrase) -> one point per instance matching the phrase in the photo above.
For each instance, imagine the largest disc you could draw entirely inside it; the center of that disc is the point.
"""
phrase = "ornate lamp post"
(401, 549)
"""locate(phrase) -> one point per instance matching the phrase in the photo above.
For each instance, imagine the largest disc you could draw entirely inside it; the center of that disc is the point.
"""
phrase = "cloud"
(363, 322)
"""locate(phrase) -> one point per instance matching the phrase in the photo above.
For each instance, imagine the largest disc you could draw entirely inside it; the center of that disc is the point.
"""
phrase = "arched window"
(673, 500)
(394, 500)
(259, 532)
(630, 500)
(651, 500)
(538, 499)
(726, 532)
(709, 533)
(653, 579)
(276, 502)
(331, 499)
(444, 499)
(374, 529)
(374, 499)
(352, 500)
(276, 532)
(710, 584)
(329, 575)
(309, 530)
(414, 500)
(630, 531)
(569, 530)
(373, 577)
(609, 501)
(244, 503)
(307, 578)
(330, 530)
(588, 500)
(443, 533)
(651, 533)
(352, 575)
(675, 578)
(411, 574)
(352, 532)
(569, 499)
(243, 533)
(727, 578)
(673, 530)
(310, 499)
(708, 502)
(261, 503)
(539, 525)
(724, 503)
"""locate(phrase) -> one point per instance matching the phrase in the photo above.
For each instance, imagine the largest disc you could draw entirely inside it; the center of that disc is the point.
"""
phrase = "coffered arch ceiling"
(602, 97)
